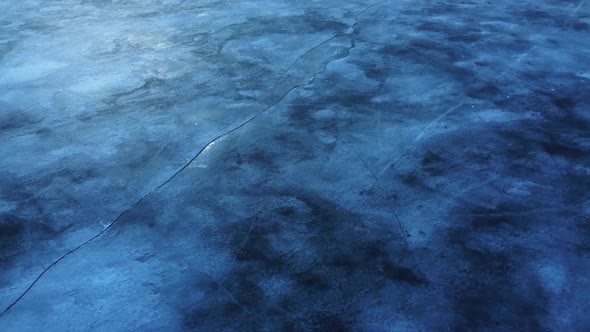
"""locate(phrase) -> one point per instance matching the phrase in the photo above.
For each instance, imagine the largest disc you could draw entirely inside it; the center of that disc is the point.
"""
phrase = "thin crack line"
(333, 37)
(154, 190)
(240, 248)
(575, 11)
(404, 232)
(420, 135)
(187, 164)
(366, 10)
(382, 194)
(520, 58)
(309, 51)
(224, 289)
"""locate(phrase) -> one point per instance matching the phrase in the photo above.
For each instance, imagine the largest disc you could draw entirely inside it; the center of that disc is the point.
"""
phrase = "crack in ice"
(352, 29)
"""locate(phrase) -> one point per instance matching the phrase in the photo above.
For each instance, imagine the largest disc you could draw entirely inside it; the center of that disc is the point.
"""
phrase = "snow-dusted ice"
(172, 165)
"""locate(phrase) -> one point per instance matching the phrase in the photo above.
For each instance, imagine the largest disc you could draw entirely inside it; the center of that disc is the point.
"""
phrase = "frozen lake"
(176, 165)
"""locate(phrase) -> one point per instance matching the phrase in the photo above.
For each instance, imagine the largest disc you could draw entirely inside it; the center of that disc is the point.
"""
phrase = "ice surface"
(288, 165)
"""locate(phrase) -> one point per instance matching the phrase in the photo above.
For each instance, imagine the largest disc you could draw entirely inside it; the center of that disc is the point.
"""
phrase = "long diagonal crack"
(204, 148)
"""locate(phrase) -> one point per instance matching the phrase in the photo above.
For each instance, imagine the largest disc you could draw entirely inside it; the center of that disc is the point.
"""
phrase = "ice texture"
(171, 165)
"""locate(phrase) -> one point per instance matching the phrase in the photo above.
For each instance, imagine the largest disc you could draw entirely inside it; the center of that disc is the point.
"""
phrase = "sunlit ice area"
(366, 165)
